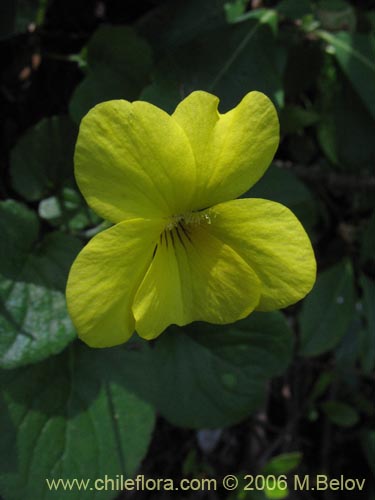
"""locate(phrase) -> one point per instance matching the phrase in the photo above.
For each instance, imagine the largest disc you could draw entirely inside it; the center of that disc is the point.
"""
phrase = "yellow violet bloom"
(182, 248)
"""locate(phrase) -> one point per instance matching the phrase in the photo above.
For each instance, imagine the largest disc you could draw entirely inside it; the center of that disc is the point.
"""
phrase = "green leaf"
(294, 9)
(336, 15)
(262, 16)
(71, 416)
(348, 351)
(282, 464)
(295, 118)
(68, 209)
(284, 187)
(119, 63)
(213, 376)
(346, 129)
(234, 9)
(327, 312)
(368, 333)
(15, 221)
(43, 158)
(320, 386)
(34, 322)
(173, 24)
(356, 55)
(274, 492)
(228, 62)
(340, 413)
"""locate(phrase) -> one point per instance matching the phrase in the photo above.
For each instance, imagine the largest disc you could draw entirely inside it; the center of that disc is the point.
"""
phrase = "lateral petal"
(269, 237)
(193, 277)
(232, 150)
(133, 160)
(104, 278)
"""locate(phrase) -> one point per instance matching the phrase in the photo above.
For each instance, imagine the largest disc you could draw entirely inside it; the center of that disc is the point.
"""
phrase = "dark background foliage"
(281, 393)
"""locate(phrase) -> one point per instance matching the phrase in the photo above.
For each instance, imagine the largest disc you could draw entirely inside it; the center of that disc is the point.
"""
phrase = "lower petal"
(272, 241)
(104, 278)
(193, 277)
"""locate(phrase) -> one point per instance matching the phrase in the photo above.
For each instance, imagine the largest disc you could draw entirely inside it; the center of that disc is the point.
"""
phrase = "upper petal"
(272, 241)
(104, 278)
(192, 277)
(232, 150)
(133, 160)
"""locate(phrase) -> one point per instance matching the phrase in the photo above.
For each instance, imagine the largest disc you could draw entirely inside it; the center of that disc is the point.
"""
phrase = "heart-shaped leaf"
(211, 376)
(34, 322)
(68, 417)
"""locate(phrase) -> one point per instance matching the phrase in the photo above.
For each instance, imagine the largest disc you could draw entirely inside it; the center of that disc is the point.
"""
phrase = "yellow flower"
(180, 250)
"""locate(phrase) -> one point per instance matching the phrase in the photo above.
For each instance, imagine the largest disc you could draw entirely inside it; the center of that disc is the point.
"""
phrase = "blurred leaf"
(282, 464)
(309, 23)
(295, 118)
(294, 9)
(43, 158)
(321, 385)
(327, 310)
(356, 55)
(335, 15)
(284, 187)
(177, 22)
(228, 62)
(234, 9)
(362, 402)
(368, 333)
(191, 466)
(119, 49)
(49, 263)
(275, 492)
(340, 413)
(209, 376)
(68, 209)
(34, 322)
(71, 416)
(119, 63)
(346, 129)
(15, 221)
(242, 493)
(164, 92)
(348, 351)
(262, 16)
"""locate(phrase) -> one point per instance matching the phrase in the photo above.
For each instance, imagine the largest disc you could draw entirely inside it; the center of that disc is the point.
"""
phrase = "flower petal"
(232, 150)
(104, 278)
(133, 160)
(192, 277)
(272, 241)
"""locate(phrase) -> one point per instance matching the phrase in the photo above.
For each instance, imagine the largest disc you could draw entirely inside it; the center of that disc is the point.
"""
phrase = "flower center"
(179, 227)
(190, 218)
